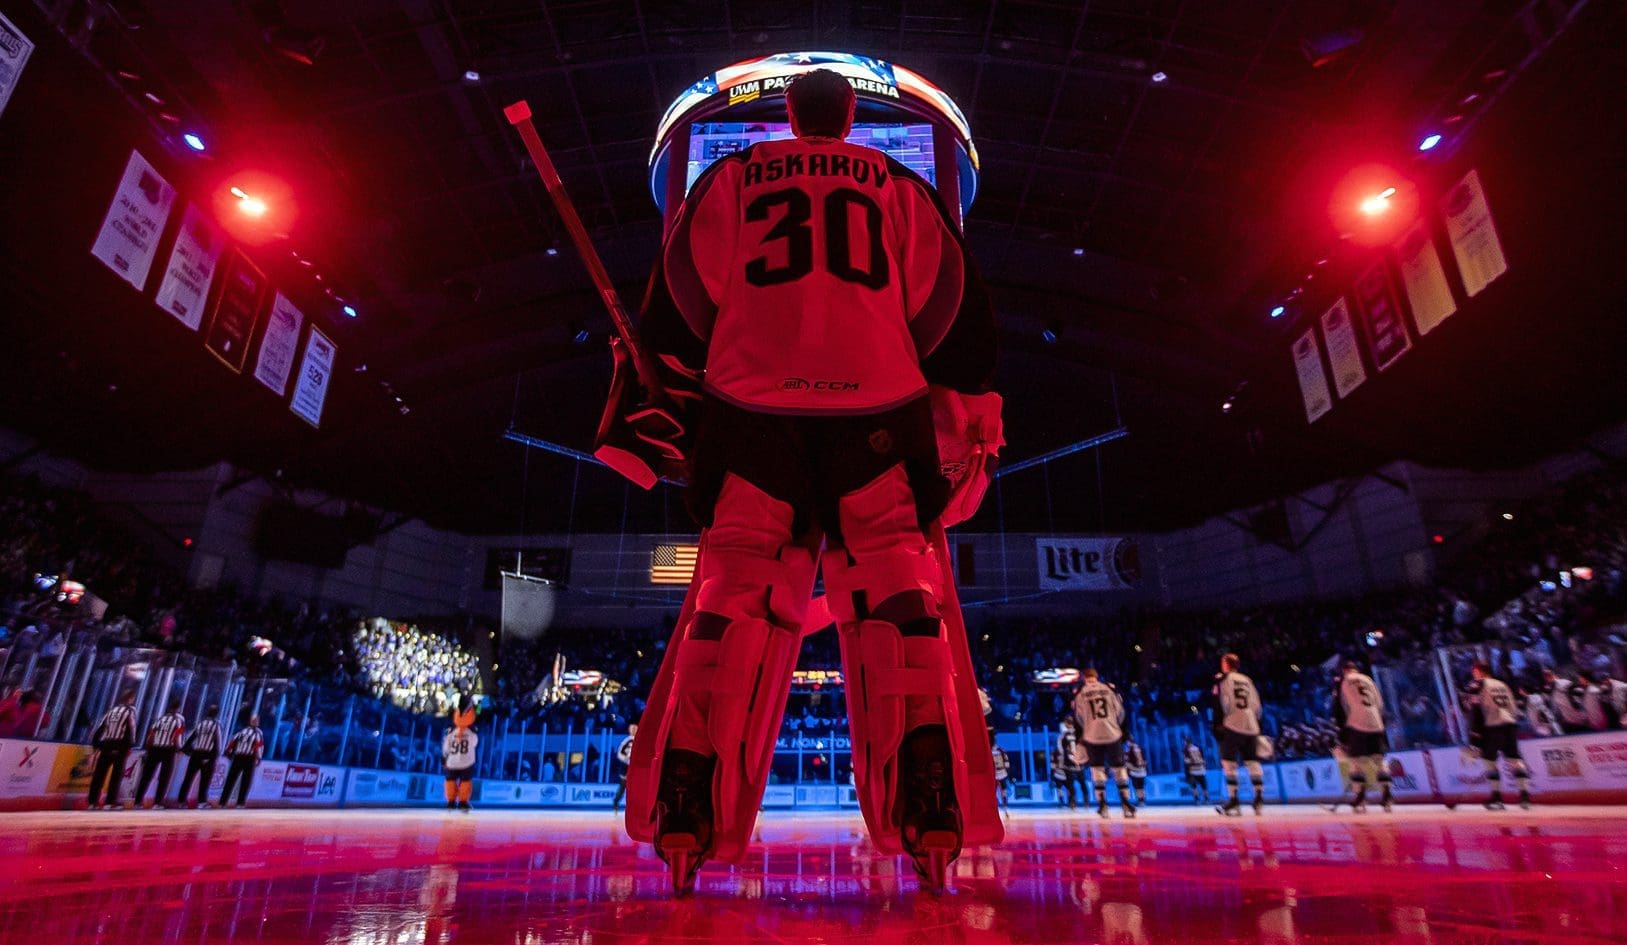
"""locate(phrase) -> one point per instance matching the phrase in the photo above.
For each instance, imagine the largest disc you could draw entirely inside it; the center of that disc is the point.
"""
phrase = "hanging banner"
(191, 268)
(278, 344)
(14, 51)
(237, 309)
(311, 387)
(1344, 353)
(1386, 331)
(1424, 279)
(1474, 237)
(1313, 383)
(128, 240)
(1087, 564)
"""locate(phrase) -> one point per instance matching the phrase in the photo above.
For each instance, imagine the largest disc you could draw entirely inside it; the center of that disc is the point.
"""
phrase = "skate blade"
(937, 847)
(681, 850)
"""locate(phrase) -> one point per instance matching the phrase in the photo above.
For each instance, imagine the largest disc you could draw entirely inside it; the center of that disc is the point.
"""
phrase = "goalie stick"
(519, 115)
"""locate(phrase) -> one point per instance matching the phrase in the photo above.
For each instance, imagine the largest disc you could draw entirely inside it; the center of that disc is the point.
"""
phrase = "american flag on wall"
(673, 564)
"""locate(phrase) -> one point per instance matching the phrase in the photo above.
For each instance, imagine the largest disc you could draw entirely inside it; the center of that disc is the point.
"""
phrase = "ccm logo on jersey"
(798, 383)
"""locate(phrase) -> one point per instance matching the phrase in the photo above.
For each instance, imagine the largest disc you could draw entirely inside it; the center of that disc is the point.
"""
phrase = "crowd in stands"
(418, 670)
(50, 534)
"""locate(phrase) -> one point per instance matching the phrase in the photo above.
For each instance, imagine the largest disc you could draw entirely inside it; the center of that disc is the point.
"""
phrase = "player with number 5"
(1237, 712)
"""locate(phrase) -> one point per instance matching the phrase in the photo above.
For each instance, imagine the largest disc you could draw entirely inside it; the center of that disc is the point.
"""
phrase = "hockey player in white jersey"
(1604, 700)
(1136, 761)
(1358, 708)
(1236, 721)
(1492, 722)
(1099, 713)
(1567, 698)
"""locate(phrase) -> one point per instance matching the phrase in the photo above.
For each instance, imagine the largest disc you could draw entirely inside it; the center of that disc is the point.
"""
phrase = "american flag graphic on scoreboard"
(673, 564)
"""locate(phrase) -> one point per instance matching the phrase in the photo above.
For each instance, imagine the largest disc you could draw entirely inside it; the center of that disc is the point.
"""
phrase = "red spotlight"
(1438, 539)
(1372, 204)
(1378, 203)
(255, 208)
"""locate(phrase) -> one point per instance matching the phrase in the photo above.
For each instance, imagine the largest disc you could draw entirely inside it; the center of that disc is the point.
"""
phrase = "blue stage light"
(1429, 143)
(193, 141)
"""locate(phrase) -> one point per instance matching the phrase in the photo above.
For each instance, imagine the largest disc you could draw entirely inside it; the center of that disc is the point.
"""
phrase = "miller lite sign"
(1088, 564)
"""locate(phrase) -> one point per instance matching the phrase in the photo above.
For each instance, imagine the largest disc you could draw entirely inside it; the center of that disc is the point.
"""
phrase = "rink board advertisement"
(292, 784)
(393, 787)
(128, 239)
(25, 768)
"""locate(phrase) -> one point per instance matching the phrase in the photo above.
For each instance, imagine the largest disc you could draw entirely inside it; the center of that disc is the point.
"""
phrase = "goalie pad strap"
(879, 578)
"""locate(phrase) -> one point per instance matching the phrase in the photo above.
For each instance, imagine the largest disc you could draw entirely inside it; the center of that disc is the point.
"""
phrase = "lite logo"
(1063, 563)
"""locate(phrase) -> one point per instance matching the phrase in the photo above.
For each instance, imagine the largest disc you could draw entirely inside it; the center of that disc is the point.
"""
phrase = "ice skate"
(1360, 807)
(1259, 805)
(1101, 810)
(929, 822)
(1495, 803)
(1525, 800)
(1388, 801)
(1232, 808)
(684, 816)
(1129, 811)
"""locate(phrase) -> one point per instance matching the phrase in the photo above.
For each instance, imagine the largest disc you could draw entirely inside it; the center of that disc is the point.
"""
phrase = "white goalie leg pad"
(733, 669)
(895, 682)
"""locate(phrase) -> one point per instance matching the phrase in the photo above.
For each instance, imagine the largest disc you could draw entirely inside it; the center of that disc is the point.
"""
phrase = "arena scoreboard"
(898, 111)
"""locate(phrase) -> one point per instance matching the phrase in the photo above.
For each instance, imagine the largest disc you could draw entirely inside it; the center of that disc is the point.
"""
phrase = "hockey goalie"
(825, 352)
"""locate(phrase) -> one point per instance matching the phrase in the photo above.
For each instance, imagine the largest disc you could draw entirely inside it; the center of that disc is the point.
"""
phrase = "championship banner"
(14, 52)
(1313, 384)
(191, 268)
(311, 388)
(278, 344)
(128, 239)
(1424, 279)
(1386, 331)
(1474, 237)
(1344, 353)
(1088, 564)
(237, 309)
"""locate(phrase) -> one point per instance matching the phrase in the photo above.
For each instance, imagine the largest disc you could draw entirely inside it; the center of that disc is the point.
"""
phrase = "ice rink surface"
(378, 877)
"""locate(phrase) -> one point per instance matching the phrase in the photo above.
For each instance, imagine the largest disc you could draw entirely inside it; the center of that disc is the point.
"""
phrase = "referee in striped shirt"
(242, 757)
(163, 740)
(112, 738)
(202, 748)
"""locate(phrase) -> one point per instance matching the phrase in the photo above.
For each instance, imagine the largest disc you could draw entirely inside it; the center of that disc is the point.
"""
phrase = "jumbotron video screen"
(910, 145)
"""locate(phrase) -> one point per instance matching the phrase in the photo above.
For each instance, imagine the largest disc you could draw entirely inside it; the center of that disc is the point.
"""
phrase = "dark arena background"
(1313, 349)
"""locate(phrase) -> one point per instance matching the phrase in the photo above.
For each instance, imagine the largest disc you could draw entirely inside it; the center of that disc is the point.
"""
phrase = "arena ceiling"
(1146, 225)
